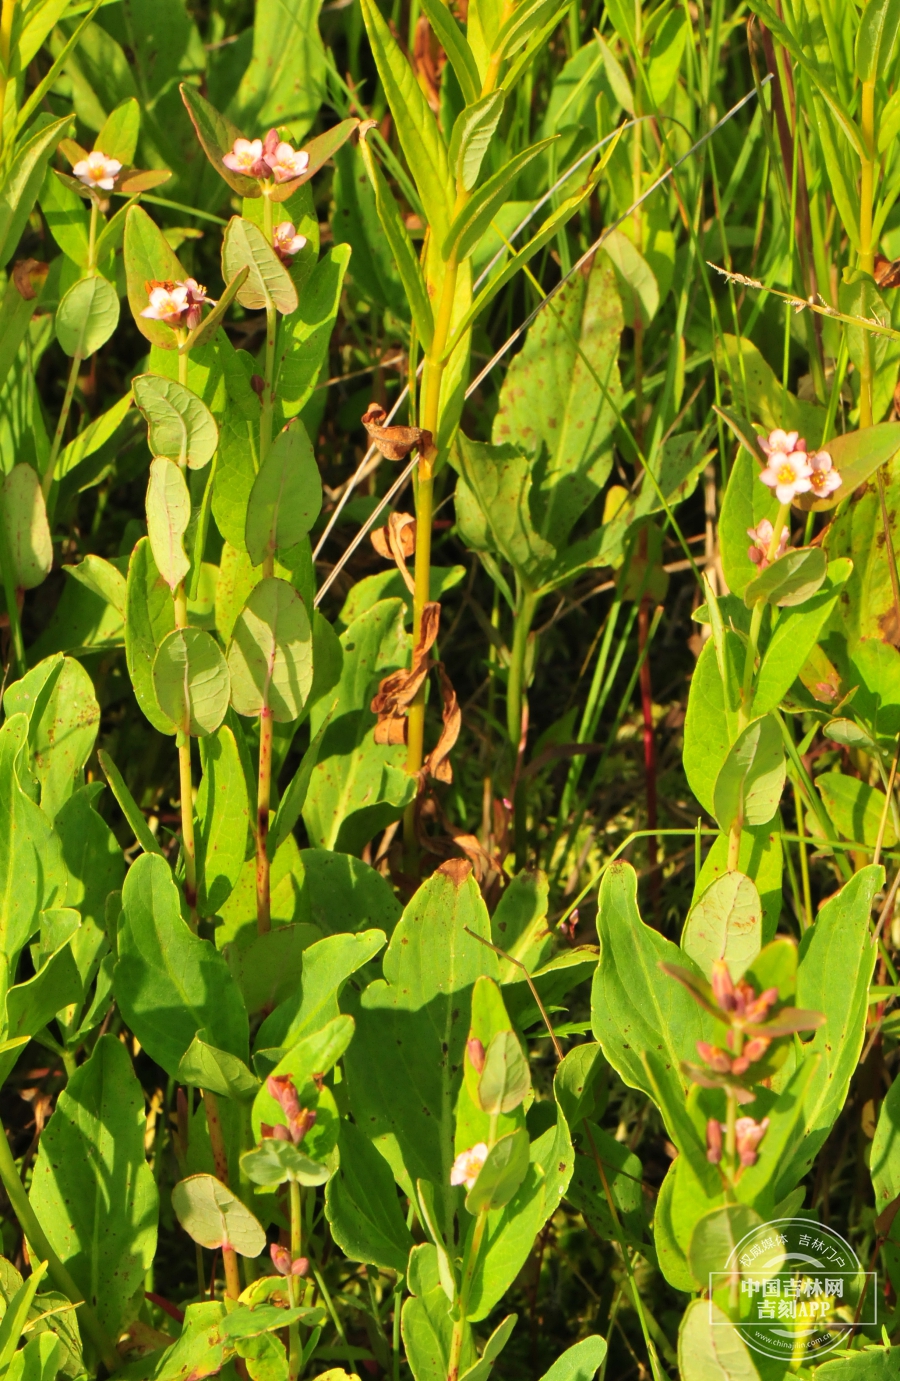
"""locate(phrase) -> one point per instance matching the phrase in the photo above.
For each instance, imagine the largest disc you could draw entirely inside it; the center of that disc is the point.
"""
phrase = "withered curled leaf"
(396, 541)
(394, 443)
(396, 692)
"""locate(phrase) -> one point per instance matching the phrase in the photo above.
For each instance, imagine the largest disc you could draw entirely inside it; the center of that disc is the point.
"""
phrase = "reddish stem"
(649, 745)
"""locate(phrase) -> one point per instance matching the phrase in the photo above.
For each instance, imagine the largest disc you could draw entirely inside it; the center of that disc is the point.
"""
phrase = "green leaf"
(212, 1216)
(92, 1189)
(16, 1312)
(38, 1360)
(837, 959)
(711, 723)
(525, 19)
(118, 135)
(90, 440)
(856, 808)
(715, 1236)
(87, 316)
(634, 1005)
(636, 281)
(425, 1322)
(519, 925)
(67, 217)
(294, 796)
(575, 1083)
(223, 820)
(63, 717)
(270, 654)
(505, 1079)
(473, 131)
(179, 424)
(284, 83)
(666, 52)
(856, 456)
(149, 618)
(190, 677)
(404, 255)
(406, 1065)
(276, 1162)
(492, 1349)
(453, 41)
(884, 1164)
(168, 515)
(309, 1001)
(268, 283)
(128, 805)
(169, 983)
(313, 1055)
(286, 496)
(502, 1173)
(792, 579)
(725, 923)
(206, 1067)
(417, 128)
(148, 259)
(32, 874)
(746, 503)
(204, 332)
(362, 1207)
(580, 1362)
(710, 1348)
(509, 1240)
(795, 636)
(305, 335)
(623, 1172)
(216, 134)
(92, 857)
(24, 516)
(876, 38)
(268, 968)
(749, 785)
(22, 183)
(468, 226)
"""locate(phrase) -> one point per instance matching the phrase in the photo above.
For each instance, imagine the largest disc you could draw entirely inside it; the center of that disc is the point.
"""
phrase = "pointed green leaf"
(502, 1173)
(190, 677)
(169, 983)
(286, 496)
(505, 1080)
(207, 1067)
(473, 131)
(751, 780)
(470, 224)
(216, 134)
(32, 874)
(92, 1190)
(401, 246)
(362, 1206)
(223, 820)
(148, 259)
(453, 41)
(179, 424)
(23, 181)
(127, 804)
(270, 654)
(792, 579)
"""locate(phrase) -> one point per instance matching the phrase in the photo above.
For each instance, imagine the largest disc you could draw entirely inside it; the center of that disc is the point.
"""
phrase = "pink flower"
(761, 536)
(467, 1166)
(749, 1135)
(281, 1260)
(824, 478)
(286, 242)
(286, 162)
(177, 304)
(475, 1051)
(246, 157)
(714, 1132)
(787, 473)
(98, 171)
(780, 442)
(299, 1120)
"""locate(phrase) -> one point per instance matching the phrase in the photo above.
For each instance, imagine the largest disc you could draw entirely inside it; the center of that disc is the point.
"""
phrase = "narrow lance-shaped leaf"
(397, 236)
(455, 45)
(27, 531)
(472, 133)
(468, 227)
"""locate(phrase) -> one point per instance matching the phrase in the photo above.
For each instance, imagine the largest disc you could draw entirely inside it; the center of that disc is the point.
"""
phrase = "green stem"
(268, 398)
(47, 481)
(515, 698)
(263, 795)
(804, 861)
(7, 19)
(92, 236)
(756, 619)
(37, 1239)
(813, 799)
(459, 1324)
(866, 237)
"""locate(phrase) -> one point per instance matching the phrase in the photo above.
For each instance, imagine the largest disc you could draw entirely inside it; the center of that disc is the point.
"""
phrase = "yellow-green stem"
(264, 787)
(295, 1351)
(866, 237)
(756, 619)
(37, 1239)
(7, 18)
(268, 397)
(220, 1164)
(92, 236)
(459, 1325)
(186, 785)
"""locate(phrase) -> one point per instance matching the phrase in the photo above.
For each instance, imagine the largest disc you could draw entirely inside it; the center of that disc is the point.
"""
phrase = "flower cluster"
(177, 304)
(286, 242)
(267, 158)
(791, 470)
(468, 1164)
(761, 537)
(748, 1135)
(97, 171)
(284, 1265)
(299, 1120)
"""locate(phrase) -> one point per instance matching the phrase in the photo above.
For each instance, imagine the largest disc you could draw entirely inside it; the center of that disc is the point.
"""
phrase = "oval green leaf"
(148, 258)
(286, 496)
(749, 785)
(211, 1214)
(725, 923)
(505, 1079)
(179, 424)
(277, 1162)
(27, 530)
(190, 677)
(87, 316)
(270, 655)
(856, 456)
(792, 579)
(503, 1171)
(168, 516)
(268, 283)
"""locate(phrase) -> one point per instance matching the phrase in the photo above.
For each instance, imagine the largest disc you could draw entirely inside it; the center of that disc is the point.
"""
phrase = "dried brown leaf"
(395, 443)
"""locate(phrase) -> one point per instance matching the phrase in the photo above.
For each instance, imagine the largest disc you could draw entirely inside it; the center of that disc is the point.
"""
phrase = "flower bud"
(714, 1057)
(300, 1266)
(476, 1053)
(749, 1135)
(713, 1141)
(281, 1259)
(722, 986)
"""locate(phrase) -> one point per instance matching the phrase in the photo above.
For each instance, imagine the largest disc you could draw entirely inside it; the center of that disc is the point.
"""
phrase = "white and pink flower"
(286, 242)
(780, 442)
(824, 478)
(286, 162)
(246, 157)
(468, 1165)
(97, 171)
(177, 304)
(788, 472)
(761, 537)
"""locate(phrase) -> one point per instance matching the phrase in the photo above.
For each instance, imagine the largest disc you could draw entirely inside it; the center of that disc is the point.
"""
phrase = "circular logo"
(793, 1289)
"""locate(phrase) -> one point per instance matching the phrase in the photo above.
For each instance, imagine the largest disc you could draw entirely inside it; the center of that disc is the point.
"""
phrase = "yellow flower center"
(786, 475)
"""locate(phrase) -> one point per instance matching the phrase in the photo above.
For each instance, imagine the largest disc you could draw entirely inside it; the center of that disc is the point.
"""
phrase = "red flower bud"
(476, 1053)
(713, 1141)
